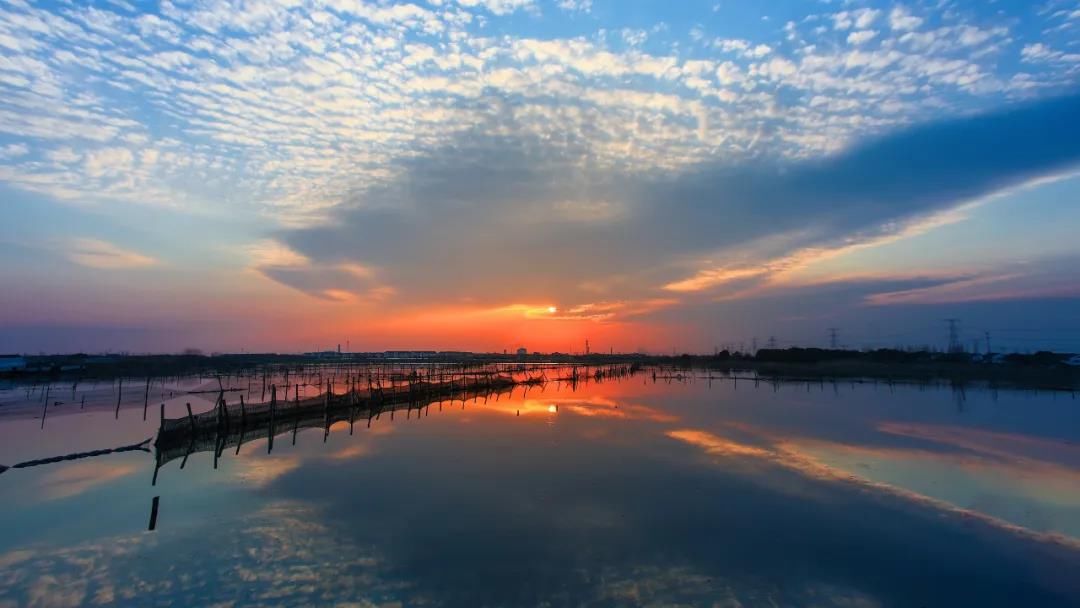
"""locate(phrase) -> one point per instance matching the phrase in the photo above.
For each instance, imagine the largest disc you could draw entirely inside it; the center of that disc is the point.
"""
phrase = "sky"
(290, 175)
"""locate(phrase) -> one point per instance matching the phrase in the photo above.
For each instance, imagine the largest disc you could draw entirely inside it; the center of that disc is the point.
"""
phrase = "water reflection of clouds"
(811, 458)
(258, 472)
(1007, 447)
(992, 453)
(716, 445)
(350, 452)
(283, 555)
(511, 521)
(593, 406)
(446, 512)
(76, 478)
(643, 585)
(280, 554)
(606, 408)
(1048, 481)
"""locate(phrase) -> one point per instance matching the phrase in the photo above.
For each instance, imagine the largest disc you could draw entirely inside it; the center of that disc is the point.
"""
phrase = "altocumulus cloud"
(493, 207)
(531, 150)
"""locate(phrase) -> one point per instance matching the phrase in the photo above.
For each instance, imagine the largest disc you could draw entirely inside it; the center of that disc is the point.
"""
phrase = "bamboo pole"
(146, 399)
(154, 513)
(119, 395)
(45, 409)
(273, 405)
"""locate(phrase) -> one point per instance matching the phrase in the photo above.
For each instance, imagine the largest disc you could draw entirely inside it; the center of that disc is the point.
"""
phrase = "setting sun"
(552, 309)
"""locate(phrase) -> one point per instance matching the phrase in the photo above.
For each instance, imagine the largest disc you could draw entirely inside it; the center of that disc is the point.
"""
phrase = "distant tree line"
(889, 355)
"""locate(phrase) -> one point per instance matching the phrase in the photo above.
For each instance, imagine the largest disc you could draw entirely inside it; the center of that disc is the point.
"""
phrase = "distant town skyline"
(274, 175)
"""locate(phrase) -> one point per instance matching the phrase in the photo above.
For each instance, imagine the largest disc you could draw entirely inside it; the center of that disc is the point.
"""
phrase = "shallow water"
(637, 492)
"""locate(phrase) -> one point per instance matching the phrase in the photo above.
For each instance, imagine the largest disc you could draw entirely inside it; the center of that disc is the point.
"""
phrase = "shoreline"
(1038, 372)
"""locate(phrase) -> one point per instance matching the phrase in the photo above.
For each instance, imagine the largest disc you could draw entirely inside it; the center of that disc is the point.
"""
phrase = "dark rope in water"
(135, 447)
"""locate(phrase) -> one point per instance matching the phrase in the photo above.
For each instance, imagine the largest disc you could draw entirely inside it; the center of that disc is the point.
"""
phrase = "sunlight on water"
(629, 491)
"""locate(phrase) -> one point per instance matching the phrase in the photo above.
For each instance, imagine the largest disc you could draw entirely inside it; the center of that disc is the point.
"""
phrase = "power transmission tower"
(832, 337)
(954, 336)
(987, 334)
(586, 346)
(772, 342)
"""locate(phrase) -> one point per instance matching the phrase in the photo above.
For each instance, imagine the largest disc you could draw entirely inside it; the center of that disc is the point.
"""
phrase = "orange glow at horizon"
(542, 328)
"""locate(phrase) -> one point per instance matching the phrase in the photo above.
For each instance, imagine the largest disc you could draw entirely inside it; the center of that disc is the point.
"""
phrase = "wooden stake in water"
(119, 394)
(153, 513)
(146, 399)
(45, 410)
(326, 412)
(273, 405)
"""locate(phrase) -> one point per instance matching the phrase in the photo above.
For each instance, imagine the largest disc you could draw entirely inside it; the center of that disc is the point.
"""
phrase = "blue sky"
(286, 174)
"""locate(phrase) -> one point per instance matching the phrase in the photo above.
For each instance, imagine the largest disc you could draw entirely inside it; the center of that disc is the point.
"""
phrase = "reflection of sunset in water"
(642, 468)
(75, 478)
(716, 445)
(590, 402)
(954, 482)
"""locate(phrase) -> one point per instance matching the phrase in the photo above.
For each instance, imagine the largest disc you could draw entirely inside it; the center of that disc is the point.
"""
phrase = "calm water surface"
(614, 494)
